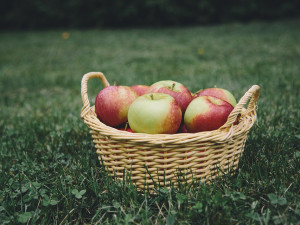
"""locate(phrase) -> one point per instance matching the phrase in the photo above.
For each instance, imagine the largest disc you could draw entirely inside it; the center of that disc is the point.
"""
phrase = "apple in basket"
(218, 93)
(140, 89)
(155, 113)
(112, 104)
(177, 90)
(206, 113)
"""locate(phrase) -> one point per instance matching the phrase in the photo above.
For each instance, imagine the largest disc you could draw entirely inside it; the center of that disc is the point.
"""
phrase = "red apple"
(112, 104)
(177, 90)
(140, 89)
(218, 93)
(155, 113)
(206, 113)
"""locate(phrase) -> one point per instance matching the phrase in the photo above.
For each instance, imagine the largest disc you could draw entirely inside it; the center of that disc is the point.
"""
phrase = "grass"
(49, 172)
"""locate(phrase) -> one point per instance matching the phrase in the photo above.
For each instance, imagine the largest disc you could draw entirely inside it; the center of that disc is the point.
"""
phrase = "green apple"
(154, 113)
(177, 90)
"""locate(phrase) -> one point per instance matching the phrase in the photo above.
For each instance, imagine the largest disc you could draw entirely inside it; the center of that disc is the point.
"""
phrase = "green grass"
(49, 172)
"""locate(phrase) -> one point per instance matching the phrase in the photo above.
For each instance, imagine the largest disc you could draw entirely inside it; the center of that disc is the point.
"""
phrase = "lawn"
(49, 171)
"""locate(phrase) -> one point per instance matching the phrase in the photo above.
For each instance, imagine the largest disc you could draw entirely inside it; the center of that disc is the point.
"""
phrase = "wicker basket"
(155, 159)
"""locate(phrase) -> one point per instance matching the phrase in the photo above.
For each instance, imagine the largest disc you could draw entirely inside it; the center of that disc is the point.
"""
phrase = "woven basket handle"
(84, 95)
(252, 94)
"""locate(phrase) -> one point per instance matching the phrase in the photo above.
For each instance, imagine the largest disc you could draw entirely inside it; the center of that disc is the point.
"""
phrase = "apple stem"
(152, 98)
(126, 126)
(173, 85)
(115, 83)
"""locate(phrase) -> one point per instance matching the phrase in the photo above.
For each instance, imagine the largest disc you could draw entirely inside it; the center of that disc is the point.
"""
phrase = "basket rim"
(222, 134)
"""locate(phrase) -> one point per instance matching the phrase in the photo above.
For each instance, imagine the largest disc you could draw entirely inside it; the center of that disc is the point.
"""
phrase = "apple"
(177, 90)
(206, 113)
(155, 113)
(112, 104)
(218, 93)
(140, 89)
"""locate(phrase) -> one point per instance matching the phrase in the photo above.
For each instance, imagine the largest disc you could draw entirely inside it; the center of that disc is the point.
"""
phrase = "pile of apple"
(165, 107)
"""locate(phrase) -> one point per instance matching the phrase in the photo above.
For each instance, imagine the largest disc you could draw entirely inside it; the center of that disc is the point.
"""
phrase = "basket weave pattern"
(156, 158)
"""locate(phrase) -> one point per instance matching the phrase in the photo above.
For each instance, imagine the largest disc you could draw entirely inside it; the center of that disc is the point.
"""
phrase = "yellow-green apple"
(140, 89)
(177, 90)
(206, 113)
(112, 104)
(155, 113)
(218, 93)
